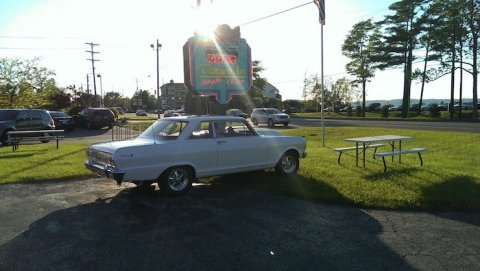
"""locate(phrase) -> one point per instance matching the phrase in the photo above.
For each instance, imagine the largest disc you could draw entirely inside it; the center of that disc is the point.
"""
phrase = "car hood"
(5, 123)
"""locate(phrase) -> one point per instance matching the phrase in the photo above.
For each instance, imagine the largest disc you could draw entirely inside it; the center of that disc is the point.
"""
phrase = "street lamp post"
(101, 90)
(157, 47)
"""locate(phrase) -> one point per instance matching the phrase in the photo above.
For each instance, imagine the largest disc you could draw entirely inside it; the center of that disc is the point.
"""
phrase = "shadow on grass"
(457, 193)
(22, 154)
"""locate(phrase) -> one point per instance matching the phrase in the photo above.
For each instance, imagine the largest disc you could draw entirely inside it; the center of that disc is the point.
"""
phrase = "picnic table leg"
(393, 148)
(364, 150)
(356, 154)
(400, 154)
(421, 161)
(384, 164)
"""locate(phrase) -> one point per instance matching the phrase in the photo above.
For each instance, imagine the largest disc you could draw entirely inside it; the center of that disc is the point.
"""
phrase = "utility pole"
(93, 67)
(157, 47)
(88, 92)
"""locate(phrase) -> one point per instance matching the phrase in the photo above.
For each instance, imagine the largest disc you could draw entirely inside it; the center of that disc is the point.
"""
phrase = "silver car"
(269, 116)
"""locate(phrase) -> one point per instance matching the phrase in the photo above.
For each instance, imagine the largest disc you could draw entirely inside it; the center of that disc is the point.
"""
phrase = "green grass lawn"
(449, 179)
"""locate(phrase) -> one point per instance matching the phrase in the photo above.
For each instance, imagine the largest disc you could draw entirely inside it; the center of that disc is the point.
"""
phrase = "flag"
(321, 10)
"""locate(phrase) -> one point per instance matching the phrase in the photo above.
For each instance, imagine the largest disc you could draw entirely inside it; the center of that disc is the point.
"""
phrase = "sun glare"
(206, 22)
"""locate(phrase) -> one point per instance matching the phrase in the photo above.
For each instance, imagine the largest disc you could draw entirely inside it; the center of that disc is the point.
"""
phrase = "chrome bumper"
(107, 171)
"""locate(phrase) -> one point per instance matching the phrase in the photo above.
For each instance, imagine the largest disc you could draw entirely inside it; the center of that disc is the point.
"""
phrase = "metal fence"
(128, 130)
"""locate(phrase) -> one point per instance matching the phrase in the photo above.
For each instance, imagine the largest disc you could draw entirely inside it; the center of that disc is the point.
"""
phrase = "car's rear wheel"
(288, 164)
(285, 124)
(176, 181)
(270, 123)
(255, 122)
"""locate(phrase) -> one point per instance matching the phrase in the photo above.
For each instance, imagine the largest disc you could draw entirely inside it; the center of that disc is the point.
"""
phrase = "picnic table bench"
(344, 149)
(400, 152)
(16, 138)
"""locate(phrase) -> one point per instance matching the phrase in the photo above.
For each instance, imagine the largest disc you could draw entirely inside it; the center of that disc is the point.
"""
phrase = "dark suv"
(92, 118)
(23, 120)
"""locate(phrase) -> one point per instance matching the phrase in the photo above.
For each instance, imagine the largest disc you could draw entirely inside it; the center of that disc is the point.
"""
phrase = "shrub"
(385, 110)
(349, 111)
(358, 111)
(434, 111)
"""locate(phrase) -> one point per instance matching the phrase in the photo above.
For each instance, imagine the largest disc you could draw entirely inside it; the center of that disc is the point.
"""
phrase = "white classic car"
(175, 151)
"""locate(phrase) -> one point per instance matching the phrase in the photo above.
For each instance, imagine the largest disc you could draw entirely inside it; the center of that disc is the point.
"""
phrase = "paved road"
(414, 125)
(95, 225)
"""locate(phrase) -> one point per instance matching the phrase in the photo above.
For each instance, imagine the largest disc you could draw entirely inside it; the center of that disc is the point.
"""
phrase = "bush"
(349, 111)
(385, 110)
(434, 111)
(358, 111)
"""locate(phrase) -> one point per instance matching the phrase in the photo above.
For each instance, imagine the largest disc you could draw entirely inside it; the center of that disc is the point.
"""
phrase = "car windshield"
(164, 129)
(273, 111)
(8, 114)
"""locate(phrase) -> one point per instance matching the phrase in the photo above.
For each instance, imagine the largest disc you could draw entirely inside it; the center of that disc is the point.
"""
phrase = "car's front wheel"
(288, 164)
(270, 123)
(176, 181)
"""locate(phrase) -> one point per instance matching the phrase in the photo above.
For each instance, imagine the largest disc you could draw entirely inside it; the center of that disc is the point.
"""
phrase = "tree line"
(445, 30)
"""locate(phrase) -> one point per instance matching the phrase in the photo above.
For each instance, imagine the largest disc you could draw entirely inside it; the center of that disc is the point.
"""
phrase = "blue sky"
(287, 44)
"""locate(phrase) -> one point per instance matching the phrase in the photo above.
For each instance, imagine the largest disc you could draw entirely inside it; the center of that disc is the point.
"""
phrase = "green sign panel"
(220, 66)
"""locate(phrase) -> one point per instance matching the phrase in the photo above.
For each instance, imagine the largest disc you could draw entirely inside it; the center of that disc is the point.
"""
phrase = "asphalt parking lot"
(95, 225)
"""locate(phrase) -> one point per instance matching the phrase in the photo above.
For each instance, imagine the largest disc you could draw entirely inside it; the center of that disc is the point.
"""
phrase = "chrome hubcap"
(289, 164)
(178, 180)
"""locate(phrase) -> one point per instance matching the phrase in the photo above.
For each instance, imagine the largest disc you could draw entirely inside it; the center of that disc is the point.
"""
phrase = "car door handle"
(221, 141)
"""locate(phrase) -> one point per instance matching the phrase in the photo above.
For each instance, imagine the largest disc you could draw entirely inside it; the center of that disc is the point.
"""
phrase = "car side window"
(23, 116)
(202, 131)
(233, 129)
(35, 115)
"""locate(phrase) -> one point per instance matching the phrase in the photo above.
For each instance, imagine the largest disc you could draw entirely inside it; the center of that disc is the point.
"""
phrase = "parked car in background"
(23, 120)
(374, 107)
(92, 118)
(395, 108)
(291, 109)
(119, 110)
(269, 116)
(443, 106)
(427, 107)
(465, 106)
(141, 112)
(175, 151)
(62, 120)
(236, 113)
(170, 113)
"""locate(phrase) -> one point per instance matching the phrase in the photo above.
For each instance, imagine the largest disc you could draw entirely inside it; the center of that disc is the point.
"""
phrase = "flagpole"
(323, 87)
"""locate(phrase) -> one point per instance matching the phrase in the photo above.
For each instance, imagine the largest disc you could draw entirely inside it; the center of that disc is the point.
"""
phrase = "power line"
(275, 14)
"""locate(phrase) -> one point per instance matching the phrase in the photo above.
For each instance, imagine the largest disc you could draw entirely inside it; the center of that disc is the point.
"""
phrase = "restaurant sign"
(218, 66)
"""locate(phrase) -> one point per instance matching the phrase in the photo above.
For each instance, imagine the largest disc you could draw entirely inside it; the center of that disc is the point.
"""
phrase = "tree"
(112, 99)
(473, 23)
(18, 74)
(400, 39)
(361, 46)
